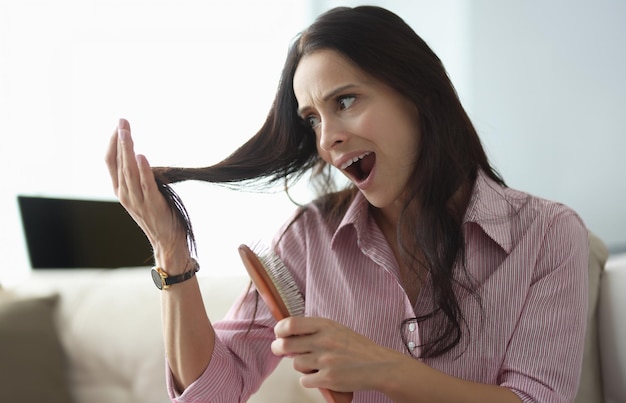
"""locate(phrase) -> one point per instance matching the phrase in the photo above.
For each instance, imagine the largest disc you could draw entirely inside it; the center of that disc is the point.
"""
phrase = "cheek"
(408, 148)
(406, 136)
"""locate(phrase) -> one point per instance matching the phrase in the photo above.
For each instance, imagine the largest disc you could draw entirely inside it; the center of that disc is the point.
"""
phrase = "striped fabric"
(527, 257)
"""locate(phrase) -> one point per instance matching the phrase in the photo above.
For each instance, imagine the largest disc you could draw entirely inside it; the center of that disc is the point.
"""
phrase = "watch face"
(156, 277)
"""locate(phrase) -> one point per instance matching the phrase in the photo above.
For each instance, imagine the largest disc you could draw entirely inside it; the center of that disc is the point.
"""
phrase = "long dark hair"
(450, 152)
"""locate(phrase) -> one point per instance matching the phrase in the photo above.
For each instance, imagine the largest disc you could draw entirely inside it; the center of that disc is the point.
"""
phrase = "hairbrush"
(280, 293)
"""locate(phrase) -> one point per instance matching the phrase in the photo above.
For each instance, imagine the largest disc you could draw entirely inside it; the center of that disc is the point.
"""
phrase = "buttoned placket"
(411, 336)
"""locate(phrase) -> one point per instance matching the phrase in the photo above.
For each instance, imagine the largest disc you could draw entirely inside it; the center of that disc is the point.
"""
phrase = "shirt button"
(411, 346)
(412, 327)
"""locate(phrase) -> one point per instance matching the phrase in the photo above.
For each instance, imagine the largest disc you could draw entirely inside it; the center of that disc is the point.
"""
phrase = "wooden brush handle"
(336, 397)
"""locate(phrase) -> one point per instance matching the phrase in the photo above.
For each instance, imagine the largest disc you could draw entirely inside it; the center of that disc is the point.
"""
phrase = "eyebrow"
(333, 93)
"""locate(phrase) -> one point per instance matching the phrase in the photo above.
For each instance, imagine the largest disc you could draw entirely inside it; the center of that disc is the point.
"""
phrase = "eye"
(313, 121)
(345, 101)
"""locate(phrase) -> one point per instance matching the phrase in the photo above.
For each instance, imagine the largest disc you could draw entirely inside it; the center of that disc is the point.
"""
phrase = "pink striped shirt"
(528, 257)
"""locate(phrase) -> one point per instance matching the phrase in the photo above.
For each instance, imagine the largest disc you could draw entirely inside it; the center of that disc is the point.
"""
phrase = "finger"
(146, 177)
(128, 173)
(305, 364)
(120, 163)
(311, 376)
(297, 325)
(315, 379)
(291, 346)
(327, 379)
(111, 160)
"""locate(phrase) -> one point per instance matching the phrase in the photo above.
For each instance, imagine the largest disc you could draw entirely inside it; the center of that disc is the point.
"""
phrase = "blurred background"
(543, 82)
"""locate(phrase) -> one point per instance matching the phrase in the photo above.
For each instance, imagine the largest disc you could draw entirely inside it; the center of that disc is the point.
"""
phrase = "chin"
(376, 200)
(382, 201)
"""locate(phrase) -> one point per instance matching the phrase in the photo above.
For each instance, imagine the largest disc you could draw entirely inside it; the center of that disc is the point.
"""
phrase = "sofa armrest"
(612, 329)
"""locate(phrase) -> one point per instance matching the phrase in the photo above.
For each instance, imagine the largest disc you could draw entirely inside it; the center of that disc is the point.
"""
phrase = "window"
(194, 78)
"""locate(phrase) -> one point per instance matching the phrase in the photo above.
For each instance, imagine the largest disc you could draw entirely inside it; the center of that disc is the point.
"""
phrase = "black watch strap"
(162, 280)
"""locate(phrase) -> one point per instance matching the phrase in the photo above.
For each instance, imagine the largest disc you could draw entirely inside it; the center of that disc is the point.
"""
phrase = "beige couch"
(109, 330)
(105, 325)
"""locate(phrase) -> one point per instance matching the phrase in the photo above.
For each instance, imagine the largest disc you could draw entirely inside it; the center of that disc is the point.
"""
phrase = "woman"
(426, 279)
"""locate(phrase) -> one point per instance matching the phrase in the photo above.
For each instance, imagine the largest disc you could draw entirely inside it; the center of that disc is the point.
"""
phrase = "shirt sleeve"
(544, 356)
(241, 359)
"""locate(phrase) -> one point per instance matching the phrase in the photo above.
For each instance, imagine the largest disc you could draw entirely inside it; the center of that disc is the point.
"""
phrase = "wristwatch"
(162, 280)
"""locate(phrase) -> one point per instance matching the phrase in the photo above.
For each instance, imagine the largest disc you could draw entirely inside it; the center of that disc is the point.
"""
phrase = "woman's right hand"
(135, 187)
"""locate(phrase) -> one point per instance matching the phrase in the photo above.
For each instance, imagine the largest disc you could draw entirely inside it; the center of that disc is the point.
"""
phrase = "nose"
(331, 133)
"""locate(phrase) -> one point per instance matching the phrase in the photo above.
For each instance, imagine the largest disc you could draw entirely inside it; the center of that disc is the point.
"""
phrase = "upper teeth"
(353, 160)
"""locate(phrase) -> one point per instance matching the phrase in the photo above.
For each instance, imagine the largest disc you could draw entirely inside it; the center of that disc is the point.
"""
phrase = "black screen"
(71, 233)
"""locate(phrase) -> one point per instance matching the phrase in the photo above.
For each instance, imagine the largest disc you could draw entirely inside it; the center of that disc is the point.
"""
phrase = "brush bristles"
(282, 279)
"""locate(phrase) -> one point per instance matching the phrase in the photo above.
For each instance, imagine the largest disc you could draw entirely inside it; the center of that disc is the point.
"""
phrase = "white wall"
(548, 95)
(545, 84)
(194, 78)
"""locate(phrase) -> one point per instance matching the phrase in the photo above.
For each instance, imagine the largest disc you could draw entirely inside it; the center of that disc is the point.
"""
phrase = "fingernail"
(121, 129)
(141, 159)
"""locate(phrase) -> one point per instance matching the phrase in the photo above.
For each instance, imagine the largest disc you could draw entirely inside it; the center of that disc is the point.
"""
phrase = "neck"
(387, 219)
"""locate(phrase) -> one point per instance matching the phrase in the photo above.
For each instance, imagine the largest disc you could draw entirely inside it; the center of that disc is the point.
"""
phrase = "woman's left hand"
(332, 356)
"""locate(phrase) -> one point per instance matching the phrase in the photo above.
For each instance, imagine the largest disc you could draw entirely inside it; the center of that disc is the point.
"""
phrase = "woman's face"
(364, 128)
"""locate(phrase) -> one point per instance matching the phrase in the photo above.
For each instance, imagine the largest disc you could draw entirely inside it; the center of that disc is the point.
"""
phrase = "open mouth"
(359, 168)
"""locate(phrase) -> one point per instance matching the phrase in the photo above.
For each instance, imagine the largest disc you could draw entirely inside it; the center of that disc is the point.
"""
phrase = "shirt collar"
(356, 217)
(489, 208)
